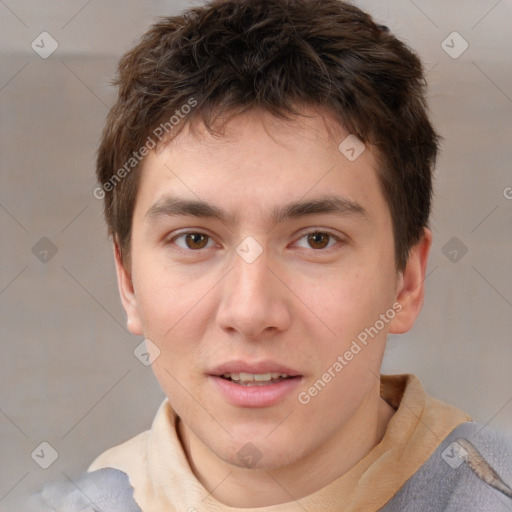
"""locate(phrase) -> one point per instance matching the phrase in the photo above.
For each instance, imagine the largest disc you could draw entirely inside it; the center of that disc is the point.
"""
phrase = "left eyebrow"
(340, 206)
(171, 206)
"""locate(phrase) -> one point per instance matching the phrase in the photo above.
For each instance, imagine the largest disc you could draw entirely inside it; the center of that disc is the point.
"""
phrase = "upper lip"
(253, 367)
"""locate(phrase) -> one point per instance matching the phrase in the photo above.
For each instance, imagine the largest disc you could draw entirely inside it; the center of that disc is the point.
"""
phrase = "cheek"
(347, 305)
(345, 302)
(175, 310)
(163, 298)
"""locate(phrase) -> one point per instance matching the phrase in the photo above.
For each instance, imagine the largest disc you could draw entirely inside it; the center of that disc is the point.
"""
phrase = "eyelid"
(338, 237)
(186, 231)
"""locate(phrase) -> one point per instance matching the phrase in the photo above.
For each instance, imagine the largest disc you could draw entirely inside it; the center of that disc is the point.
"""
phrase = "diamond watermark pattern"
(146, 352)
(454, 455)
(44, 250)
(249, 250)
(351, 148)
(454, 45)
(45, 455)
(249, 455)
(44, 45)
(454, 249)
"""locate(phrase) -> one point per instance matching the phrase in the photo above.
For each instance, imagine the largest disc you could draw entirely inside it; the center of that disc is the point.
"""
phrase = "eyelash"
(172, 239)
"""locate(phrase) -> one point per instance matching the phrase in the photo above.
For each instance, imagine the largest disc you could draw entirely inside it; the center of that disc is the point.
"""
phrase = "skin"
(301, 303)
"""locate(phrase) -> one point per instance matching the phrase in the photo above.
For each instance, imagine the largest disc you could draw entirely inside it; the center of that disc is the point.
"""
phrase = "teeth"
(249, 377)
(260, 377)
(246, 378)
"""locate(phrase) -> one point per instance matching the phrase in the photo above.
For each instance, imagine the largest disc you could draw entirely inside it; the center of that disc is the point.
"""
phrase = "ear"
(410, 289)
(127, 293)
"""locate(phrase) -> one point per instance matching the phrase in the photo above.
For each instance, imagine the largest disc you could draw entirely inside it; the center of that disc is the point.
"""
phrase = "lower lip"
(255, 396)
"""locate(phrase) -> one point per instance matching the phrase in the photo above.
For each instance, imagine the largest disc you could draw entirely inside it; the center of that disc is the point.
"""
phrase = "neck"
(246, 488)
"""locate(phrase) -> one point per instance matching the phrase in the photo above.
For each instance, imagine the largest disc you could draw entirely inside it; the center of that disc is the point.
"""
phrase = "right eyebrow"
(170, 206)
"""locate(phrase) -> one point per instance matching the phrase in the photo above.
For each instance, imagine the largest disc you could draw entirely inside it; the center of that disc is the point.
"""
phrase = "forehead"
(257, 162)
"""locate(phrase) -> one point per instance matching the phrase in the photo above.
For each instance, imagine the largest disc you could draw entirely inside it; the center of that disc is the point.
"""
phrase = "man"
(266, 172)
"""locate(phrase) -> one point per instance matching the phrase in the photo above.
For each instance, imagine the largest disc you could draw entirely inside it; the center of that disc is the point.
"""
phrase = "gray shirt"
(470, 471)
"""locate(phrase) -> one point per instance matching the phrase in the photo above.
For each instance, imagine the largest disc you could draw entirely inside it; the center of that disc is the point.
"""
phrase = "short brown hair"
(230, 56)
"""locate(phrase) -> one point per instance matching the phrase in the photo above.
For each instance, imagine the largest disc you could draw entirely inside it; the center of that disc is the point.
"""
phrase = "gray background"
(68, 375)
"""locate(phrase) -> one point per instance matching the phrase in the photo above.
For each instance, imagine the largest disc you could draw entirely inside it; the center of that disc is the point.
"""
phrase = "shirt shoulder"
(471, 470)
(105, 490)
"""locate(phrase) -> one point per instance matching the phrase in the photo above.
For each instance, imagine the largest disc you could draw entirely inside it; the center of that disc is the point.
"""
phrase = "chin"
(260, 453)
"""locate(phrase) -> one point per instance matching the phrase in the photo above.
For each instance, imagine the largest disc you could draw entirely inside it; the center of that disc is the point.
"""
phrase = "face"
(258, 259)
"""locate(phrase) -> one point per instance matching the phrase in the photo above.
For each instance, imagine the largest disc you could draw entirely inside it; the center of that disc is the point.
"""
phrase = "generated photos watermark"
(159, 133)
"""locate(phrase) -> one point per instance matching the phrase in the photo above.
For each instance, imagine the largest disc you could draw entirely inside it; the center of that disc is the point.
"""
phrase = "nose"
(255, 302)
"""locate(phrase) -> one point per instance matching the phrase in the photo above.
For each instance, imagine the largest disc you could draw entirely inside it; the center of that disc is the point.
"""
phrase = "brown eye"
(196, 240)
(191, 241)
(318, 240)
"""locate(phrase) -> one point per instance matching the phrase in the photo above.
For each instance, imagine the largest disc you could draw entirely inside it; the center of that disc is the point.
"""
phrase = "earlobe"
(410, 286)
(127, 294)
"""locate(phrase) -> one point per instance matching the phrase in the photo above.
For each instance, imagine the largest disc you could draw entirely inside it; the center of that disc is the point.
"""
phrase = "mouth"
(262, 384)
(257, 379)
